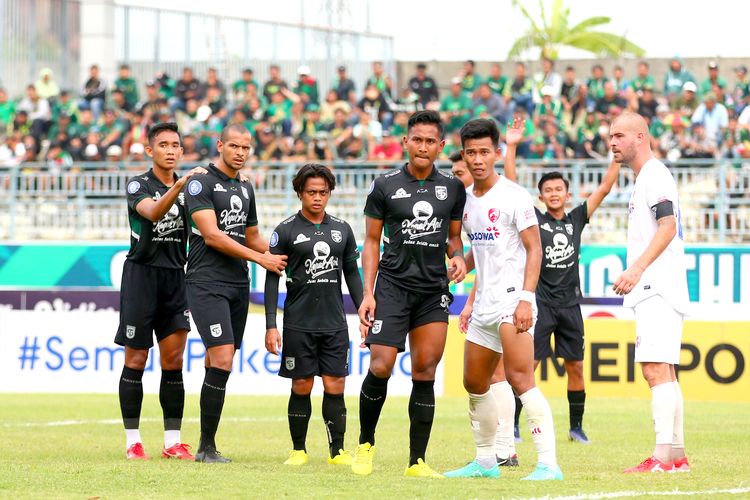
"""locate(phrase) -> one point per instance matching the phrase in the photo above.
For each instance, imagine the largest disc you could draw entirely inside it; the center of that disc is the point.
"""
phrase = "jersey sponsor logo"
(290, 363)
(215, 330)
(547, 227)
(129, 331)
(145, 177)
(218, 188)
(244, 192)
(422, 190)
(441, 192)
(170, 223)
(235, 216)
(336, 236)
(423, 223)
(560, 250)
(529, 214)
(133, 187)
(274, 239)
(400, 193)
(569, 229)
(301, 238)
(195, 187)
(322, 262)
(493, 214)
(377, 325)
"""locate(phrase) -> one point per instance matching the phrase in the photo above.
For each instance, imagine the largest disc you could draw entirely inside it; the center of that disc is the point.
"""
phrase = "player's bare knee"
(302, 386)
(136, 359)
(171, 361)
(520, 381)
(474, 386)
(334, 385)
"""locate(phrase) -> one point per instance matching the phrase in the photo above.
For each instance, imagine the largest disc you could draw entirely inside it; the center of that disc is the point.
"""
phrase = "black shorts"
(306, 354)
(399, 310)
(219, 312)
(567, 324)
(152, 300)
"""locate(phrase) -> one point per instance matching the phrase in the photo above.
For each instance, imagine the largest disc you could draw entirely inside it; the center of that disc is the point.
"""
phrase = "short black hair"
(235, 127)
(480, 128)
(158, 128)
(312, 170)
(455, 156)
(471, 62)
(248, 70)
(428, 117)
(124, 66)
(550, 176)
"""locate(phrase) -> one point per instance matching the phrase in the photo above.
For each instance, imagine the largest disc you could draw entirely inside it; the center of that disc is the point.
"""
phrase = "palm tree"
(556, 32)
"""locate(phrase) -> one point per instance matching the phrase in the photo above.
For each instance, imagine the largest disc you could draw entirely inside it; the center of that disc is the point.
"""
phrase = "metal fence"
(88, 201)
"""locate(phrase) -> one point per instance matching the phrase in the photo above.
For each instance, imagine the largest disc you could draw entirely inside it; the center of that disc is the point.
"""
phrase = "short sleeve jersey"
(316, 256)
(559, 283)
(416, 217)
(493, 223)
(233, 203)
(667, 275)
(161, 243)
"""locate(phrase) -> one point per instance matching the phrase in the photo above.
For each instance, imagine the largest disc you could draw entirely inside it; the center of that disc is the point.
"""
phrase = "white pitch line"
(624, 494)
(117, 421)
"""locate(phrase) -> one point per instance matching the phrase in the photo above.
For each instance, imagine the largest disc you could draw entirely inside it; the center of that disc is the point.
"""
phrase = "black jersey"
(416, 216)
(161, 243)
(316, 254)
(559, 283)
(233, 203)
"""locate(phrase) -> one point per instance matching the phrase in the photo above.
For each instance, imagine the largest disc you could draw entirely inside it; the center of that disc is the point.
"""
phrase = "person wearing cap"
(713, 116)
(126, 84)
(741, 94)
(688, 101)
(455, 109)
(424, 86)
(675, 78)
(343, 85)
(46, 86)
(307, 86)
(707, 85)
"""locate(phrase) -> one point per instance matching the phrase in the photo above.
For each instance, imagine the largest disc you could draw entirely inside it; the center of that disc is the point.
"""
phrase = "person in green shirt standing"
(7, 110)
(239, 87)
(644, 79)
(707, 85)
(675, 78)
(470, 81)
(497, 80)
(126, 84)
(741, 95)
(307, 86)
(456, 106)
(596, 82)
(381, 80)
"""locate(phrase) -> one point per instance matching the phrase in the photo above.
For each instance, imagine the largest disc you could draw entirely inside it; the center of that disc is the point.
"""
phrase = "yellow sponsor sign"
(714, 362)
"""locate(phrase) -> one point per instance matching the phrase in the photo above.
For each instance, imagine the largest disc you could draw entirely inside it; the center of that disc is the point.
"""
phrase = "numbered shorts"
(399, 310)
(152, 301)
(567, 325)
(658, 331)
(484, 325)
(306, 354)
(219, 312)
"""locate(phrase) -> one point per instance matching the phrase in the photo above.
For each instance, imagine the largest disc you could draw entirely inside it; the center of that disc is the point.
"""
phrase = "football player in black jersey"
(152, 293)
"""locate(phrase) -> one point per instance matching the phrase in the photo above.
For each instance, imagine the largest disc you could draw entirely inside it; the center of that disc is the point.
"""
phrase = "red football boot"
(180, 451)
(651, 464)
(135, 452)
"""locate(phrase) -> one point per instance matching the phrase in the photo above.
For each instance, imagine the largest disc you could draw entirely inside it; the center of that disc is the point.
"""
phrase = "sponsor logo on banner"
(441, 192)
(215, 330)
(130, 331)
(336, 236)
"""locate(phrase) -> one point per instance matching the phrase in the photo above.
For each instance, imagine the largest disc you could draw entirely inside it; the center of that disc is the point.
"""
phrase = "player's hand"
(197, 170)
(523, 318)
(367, 310)
(244, 178)
(627, 280)
(465, 317)
(363, 333)
(273, 341)
(515, 130)
(457, 269)
(272, 262)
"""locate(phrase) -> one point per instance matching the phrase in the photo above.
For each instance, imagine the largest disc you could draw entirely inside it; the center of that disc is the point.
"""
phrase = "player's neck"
(314, 218)
(419, 173)
(165, 175)
(639, 161)
(225, 169)
(481, 186)
(556, 213)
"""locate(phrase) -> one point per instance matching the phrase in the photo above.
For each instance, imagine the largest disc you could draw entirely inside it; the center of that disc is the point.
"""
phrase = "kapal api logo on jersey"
(170, 223)
(560, 250)
(423, 223)
(322, 261)
(235, 216)
(336, 236)
(441, 192)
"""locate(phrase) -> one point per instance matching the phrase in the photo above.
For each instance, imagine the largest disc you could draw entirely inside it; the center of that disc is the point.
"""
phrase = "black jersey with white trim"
(161, 243)
(233, 203)
(316, 257)
(416, 217)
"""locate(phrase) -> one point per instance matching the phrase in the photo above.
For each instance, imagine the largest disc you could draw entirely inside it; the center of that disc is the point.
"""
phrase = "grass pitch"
(72, 446)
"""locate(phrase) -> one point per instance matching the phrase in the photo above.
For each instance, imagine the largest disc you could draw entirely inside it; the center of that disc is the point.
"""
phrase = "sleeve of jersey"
(580, 214)
(198, 195)
(252, 214)
(375, 204)
(137, 191)
(525, 215)
(659, 190)
(351, 269)
(276, 245)
(457, 212)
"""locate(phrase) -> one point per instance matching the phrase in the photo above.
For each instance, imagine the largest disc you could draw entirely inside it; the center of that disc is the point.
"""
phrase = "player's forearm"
(469, 259)
(509, 168)
(665, 232)
(473, 293)
(455, 247)
(257, 242)
(533, 267)
(156, 210)
(370, 258)
(271, 299)
(354, 282)
(220, 242)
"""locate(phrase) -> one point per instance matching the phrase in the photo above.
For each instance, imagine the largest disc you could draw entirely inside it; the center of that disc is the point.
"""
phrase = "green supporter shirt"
(129, 89)
(707, 85)
(596, 87)
(462, 105)
(554, 108)
(497, 84)
(241, 85)
(7, 112)
(657, 129)
(639, 83)
(471, 82)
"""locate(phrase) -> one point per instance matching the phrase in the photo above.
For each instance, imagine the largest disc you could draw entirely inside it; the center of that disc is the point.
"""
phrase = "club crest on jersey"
(129, 331)
(400, 193)
(289, 363)
(322, 261)
(195, 187)
(215, 330)
(133, 187)
(569, 229)
(301, 238)
(336, 236)
(244, 192)
(423, 223)
(493, 214)
(274, 239)
(377, 325)
(218, 188)
(441, 192)
(235, 216)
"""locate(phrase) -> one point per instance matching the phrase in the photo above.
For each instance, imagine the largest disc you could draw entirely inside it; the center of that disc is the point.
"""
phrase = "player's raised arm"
(513, 136)
(370, 261)
(595, 198)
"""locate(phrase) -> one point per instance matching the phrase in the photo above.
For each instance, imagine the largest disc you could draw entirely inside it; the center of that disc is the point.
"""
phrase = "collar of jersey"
(151, 175)
(413, 179)
(326, 219)
(221, 175)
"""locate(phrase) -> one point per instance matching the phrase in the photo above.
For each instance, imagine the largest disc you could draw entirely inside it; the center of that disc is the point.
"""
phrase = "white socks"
(483, 416)
(541, 425)
(171, 438)
(505, 402)
(132, 436)
(678, 433)
(663, 408)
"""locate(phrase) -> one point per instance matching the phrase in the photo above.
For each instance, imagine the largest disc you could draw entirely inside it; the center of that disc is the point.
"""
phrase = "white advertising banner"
(73, 351)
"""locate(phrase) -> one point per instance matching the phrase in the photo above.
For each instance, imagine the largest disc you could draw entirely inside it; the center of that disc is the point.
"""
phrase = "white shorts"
(484, 328)
(658, 331)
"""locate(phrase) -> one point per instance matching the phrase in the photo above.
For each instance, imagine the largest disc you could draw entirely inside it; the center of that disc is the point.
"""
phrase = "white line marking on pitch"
(117, 421)
(623, 494)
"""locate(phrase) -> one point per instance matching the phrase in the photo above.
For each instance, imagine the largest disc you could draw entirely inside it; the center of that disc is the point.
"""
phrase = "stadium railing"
(87, 201)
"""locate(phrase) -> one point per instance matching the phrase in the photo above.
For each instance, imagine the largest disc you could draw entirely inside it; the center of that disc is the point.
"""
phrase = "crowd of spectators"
(567, 115)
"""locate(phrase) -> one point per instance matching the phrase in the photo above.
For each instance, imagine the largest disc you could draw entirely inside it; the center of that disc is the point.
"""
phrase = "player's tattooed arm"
(595, 199)
(154, 210)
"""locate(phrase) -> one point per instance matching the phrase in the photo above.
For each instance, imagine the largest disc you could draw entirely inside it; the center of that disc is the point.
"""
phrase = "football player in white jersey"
(655, 286)
(500, 221)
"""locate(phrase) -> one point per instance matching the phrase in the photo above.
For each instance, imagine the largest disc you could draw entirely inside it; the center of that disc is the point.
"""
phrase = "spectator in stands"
(376, 105)
(734, 140)
(166, 86)
(518, 91)
(622, 84)
(713, 78)
(38, 111)
(187, 88)
(12, 150)
(274, 83)
(569, 89)
(495, 104)
(550, 109)
(700, 143)
(219, 94)
(307, 86)
(298, 152)
(94, 93)
(239, 87)
(126, 84)
(389, 149)
(674, 141)
(320, 148)
(470, 80)
(644, 79)
(547, 77)
(191, 151)
(46, 86)
(111, 129)
(741, 94)
(687, 102)
(407, 101)
(268, 147)
(610, 104)
(118, 102)
(596, 82)
(7, 111)
(381, 80)
(312, 123)
(279, 110)
(424, 86)
(675, 78)
(646, 103)
(455, 110)
(713, 116)
(344, 86)
(330, 105)
(496, 80)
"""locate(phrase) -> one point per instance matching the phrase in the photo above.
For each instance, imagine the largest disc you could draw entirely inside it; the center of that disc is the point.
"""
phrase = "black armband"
(662, 209)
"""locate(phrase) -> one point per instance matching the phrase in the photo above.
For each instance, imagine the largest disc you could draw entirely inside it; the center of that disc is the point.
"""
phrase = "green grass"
(84, 460)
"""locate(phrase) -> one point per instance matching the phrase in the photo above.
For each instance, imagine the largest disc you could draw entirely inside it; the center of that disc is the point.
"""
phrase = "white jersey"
(493, 223)
(667, 275)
